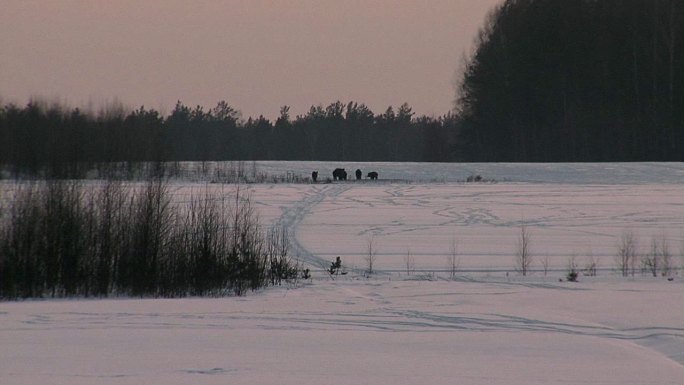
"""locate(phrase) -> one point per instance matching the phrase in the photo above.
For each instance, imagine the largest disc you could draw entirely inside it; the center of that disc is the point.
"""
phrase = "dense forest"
(50, 138)
(547, 81)
(576, 80)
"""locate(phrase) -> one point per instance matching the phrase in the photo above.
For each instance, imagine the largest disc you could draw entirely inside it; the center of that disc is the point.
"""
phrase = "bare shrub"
(152, 221)
(591, 265)
(522, 254)
(335, 267)
(658, 260)
(545, 265)
(247, 248)
(63, 239)
(626, 256)
(65, 236)
(572, 273)
(280, 266)
(371, 254)
(666, 264)
(21, 275)
(409, 262)
(651, 260)
(203, 267)
(453, 260)
(111, 221)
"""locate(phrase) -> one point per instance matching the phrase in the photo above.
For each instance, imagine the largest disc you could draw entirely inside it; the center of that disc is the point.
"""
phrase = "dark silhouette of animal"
(314, 176)
(358, 174)
(339, 174)
(373, 175)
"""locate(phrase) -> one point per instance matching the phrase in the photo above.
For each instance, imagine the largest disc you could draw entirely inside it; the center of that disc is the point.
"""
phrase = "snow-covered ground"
(484, 222)
(573, 173)
(488, 326)
(358, 331)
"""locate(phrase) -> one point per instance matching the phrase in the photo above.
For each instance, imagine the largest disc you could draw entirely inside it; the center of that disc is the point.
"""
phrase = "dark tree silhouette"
(55, 141)
(576, 80)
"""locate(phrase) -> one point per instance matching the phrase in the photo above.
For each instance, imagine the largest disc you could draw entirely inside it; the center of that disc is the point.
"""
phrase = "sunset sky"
(257, 55)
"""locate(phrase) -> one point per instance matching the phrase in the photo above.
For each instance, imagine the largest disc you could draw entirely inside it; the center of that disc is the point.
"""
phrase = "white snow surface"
(358, 331)
(487, 326)
(573, 173)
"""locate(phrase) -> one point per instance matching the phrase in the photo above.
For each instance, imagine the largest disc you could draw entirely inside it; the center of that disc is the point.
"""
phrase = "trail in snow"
(585, 222)
(292, 216)
(357, 331)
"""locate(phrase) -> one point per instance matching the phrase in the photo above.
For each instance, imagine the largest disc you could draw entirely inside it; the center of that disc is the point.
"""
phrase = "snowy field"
(358, 331)
(573, 173)
(487, 326)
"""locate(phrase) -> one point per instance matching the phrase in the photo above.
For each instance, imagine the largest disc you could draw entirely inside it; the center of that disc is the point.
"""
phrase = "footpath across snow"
(489, 326)
(353, 330)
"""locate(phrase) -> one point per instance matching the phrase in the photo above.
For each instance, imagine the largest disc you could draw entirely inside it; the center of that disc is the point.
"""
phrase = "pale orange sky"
(257, 55)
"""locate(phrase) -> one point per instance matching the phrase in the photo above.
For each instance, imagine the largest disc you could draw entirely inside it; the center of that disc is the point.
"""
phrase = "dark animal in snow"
(339, 174)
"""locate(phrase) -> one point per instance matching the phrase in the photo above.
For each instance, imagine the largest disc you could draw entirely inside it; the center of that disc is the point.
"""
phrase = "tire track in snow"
(292, 216)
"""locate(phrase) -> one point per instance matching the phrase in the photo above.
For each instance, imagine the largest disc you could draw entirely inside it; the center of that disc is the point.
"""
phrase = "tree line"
(54, 140)
(547, 81)
(576, 80)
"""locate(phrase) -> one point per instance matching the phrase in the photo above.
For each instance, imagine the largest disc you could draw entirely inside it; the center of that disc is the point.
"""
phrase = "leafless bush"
(545, 265)
(371, 254)
(591, 265)
(150, 232)
(523, 255)
(229, 172)
(453, 260)
(277, 247)
(572, 272)
(651, 260)
(666, 257)
(201, 265)
(626, 253)
(658, 259)
(64, 239)
(110, 208)
(20, 254)
(474, 178)
(409, 262)
(248, 248)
